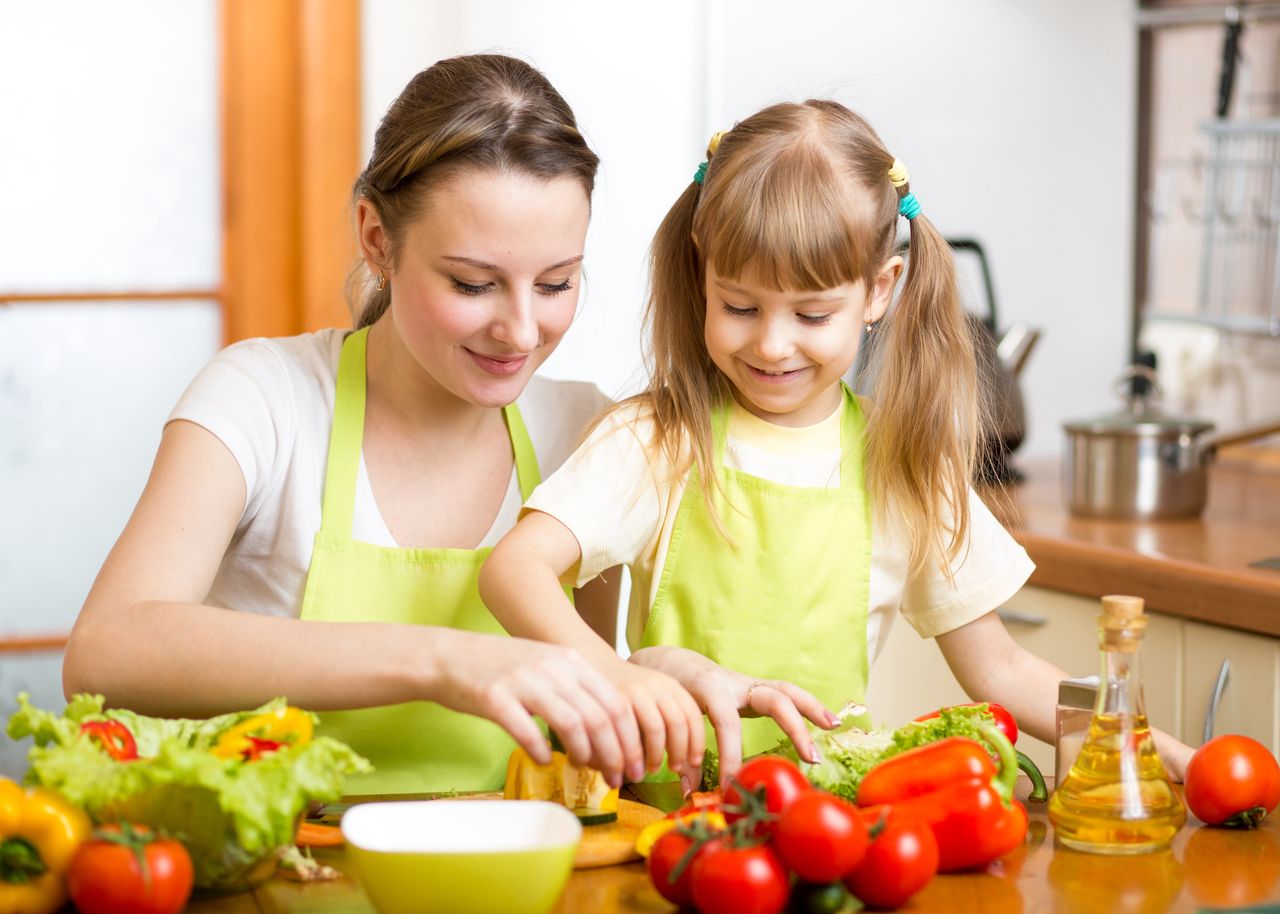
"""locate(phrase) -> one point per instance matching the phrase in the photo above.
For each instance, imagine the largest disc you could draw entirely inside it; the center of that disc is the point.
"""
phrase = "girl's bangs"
(787, 228)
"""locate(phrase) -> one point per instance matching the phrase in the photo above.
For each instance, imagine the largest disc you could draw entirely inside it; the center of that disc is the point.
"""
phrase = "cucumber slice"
(590, 815)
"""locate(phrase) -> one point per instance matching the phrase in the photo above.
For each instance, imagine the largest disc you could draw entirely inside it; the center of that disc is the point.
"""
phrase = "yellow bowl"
(462, 856)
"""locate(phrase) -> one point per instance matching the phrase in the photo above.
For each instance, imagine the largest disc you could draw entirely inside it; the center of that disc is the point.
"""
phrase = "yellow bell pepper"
(277, 729)
(39, 833)
(558, 782)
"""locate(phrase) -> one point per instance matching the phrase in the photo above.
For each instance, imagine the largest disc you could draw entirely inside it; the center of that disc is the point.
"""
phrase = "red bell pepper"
(973, 816)
(113, 736)
(1006, 724)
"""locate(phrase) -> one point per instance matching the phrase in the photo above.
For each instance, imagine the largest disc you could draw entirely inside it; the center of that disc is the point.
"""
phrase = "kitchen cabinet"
(911, 675)
(1248, 703)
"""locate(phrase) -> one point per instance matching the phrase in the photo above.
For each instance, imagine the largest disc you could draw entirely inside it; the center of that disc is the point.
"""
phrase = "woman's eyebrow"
(481, 265)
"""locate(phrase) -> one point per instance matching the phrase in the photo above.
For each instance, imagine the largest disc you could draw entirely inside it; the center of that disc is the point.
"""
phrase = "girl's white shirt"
(270, 401)
(620, 502)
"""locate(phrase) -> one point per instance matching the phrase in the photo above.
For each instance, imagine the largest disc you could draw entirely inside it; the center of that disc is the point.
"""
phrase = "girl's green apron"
(785, 597)
(419, 746)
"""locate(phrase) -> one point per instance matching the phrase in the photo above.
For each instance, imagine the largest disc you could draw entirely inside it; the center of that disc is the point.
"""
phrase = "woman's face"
(487, 280)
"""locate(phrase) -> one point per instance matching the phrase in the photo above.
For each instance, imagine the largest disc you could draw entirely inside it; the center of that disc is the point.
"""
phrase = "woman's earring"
(871, 325)
(381, 283)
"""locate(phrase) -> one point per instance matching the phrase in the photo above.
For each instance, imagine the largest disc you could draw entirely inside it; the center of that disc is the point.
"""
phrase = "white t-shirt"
(620, 501)
(270, 401)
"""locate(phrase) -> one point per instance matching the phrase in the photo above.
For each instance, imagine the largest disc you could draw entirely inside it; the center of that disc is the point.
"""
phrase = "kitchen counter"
(1205, 868)
(1196, 568)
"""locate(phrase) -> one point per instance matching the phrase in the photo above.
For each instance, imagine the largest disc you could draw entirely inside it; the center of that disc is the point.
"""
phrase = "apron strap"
(527, 472)
(346, 437)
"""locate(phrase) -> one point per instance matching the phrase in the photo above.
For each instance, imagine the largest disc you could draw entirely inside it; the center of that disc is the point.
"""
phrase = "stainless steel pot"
(1140, 463)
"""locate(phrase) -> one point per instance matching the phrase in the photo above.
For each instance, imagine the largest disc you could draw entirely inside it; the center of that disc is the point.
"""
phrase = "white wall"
(1015, 117)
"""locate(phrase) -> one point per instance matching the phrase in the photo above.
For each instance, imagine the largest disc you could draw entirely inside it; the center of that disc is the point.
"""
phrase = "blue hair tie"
(909, 206)
(700, 173)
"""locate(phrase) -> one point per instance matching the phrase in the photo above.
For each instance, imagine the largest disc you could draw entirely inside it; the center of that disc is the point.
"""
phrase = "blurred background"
(175, 177)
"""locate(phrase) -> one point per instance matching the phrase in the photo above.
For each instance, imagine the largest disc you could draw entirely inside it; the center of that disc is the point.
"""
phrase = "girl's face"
(785, 352)
(487, 280)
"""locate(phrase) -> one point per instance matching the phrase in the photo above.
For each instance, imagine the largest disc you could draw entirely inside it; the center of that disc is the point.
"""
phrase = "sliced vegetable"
(113, 736)
(713, 821)
(594, 815)
(558, 782)
(1233, 781)
(263, 733)
(39, 835)
(313, 834)
(127, 868)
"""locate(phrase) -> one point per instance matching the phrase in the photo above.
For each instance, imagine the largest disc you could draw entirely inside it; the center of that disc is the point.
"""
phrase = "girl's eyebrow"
(811, 300)
(481, 265)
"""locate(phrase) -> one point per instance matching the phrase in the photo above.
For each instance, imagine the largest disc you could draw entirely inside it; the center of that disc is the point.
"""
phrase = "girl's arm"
(146, 641)
(521, 584)
(991, 666)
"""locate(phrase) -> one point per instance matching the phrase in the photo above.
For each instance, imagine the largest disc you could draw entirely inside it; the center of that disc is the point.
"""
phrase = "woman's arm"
(991, 666)
(145, 640)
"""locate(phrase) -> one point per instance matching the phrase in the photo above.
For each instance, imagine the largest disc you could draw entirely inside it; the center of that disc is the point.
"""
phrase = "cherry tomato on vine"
(128, 869)
(899, 862)
(740, 880)
(1234, 781)
(780, 779)
(820, 836)
(664, 857)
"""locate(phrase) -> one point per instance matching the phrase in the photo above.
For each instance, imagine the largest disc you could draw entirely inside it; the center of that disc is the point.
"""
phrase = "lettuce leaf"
(232, 814)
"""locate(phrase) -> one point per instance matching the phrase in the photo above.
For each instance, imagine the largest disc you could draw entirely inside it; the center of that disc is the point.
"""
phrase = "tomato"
(781, 781)
(899, 862)
(820, 836)
(1234, 781)
(127, 869)
(740, 880)
(664, 857)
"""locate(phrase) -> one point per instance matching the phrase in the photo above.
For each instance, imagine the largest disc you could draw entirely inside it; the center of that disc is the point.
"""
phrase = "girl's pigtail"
(922, 440)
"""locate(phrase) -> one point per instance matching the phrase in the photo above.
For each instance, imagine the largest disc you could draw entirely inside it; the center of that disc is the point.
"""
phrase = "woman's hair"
(798, 197)
(484, 111)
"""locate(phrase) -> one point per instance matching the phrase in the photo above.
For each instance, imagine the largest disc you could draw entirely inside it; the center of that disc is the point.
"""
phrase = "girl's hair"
(484, 111)
(798, 197)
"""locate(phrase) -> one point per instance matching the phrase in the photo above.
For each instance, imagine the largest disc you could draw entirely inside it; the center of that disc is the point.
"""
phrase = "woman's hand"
(726, 696)
(508, 680)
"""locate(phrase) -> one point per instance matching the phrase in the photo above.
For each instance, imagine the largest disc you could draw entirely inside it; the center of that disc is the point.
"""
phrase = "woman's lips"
(501, 367)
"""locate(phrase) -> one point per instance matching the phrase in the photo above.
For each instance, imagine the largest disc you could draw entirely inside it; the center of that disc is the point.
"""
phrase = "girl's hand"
(668, 718)
(508, 680)
(727, 696)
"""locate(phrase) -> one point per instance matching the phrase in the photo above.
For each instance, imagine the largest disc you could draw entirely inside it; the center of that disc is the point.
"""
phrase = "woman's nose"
(516, 324)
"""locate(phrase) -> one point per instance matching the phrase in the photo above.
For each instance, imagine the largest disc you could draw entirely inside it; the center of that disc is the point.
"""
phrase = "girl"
(320, 505)
(774, 525)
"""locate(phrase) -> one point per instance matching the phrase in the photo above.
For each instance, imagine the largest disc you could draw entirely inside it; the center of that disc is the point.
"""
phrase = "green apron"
(416, 747)
(786, 596)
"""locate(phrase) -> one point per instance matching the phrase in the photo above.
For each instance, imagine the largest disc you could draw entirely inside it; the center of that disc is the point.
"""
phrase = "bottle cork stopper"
(1122, 608)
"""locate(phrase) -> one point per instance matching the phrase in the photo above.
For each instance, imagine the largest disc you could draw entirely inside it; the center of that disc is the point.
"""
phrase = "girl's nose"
(774, 341)
(515, 324)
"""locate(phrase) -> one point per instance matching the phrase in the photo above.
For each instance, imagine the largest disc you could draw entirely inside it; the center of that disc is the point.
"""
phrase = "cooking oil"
(1116, 798)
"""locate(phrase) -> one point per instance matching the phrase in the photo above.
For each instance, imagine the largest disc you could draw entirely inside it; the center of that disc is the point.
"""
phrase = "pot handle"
(1124, 390)
(1248, 433)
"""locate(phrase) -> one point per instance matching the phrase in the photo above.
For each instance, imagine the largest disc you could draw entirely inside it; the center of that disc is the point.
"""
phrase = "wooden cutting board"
(602, 845)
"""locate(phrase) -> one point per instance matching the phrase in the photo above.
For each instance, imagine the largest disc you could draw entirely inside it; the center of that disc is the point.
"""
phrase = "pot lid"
(1141, 416)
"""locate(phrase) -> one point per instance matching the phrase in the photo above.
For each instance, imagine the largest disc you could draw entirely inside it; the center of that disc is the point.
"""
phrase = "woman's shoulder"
(307, 355)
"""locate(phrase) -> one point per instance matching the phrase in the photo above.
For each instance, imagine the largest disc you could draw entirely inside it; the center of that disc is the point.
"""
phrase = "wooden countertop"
(1197, 568)
(1205, 868)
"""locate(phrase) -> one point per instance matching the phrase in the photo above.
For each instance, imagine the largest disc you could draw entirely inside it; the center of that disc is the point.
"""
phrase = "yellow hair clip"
(714, 143)
(898, 173)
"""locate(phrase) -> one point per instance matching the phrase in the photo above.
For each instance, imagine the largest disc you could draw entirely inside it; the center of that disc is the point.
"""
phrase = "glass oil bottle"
(1116, 797)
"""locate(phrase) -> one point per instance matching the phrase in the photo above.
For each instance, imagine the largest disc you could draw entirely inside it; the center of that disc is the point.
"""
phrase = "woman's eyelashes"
(813, 320)
(545, 288)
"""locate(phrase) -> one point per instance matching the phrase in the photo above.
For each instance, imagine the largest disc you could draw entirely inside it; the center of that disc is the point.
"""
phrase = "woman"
(320, 505)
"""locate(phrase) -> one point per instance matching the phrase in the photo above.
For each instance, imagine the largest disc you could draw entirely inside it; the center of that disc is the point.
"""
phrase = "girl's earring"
(381, 283)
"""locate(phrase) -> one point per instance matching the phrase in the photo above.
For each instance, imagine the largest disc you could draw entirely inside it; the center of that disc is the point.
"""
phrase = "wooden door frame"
(291, 150)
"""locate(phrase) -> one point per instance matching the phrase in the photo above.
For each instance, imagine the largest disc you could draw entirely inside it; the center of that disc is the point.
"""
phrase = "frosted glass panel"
(41, 675)
(111, 175)
(84, 392)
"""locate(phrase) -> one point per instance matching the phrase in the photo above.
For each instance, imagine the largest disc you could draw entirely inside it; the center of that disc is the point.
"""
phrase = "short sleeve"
(991, 568)
(607, 494)
(242, 396)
